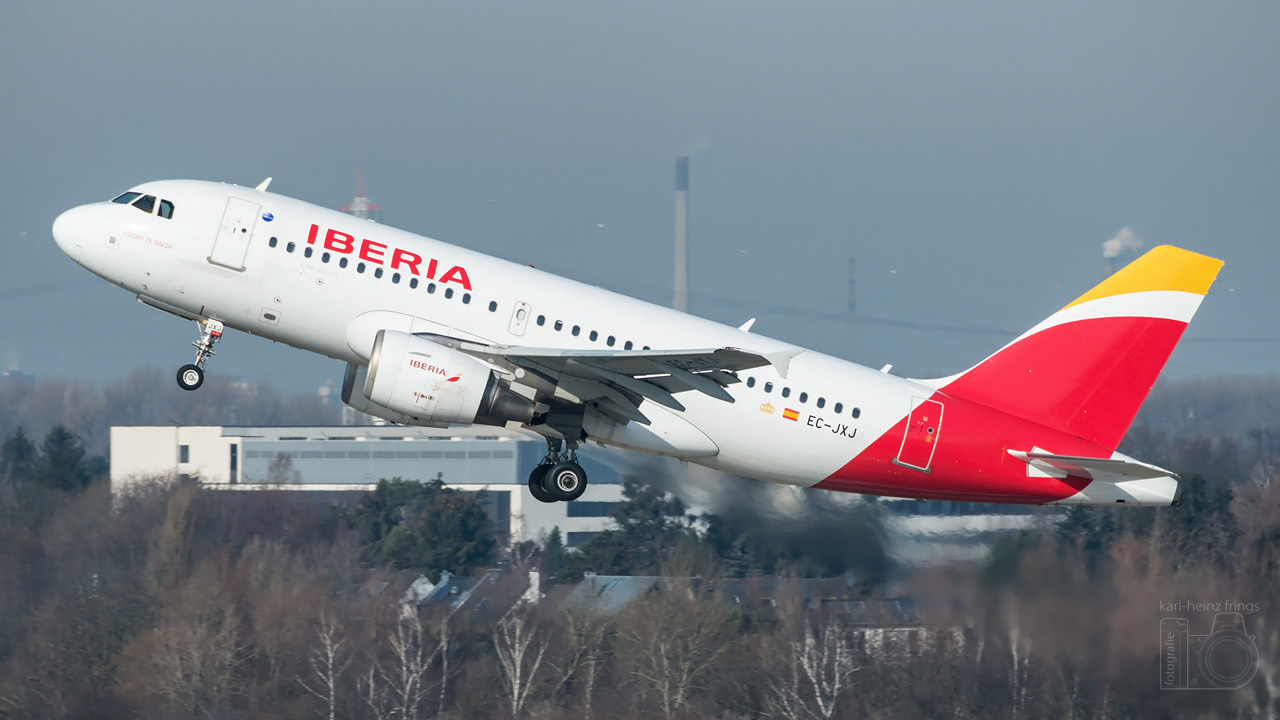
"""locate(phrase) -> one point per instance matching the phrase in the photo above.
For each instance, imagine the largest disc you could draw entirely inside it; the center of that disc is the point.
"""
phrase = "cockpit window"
(126, 198)
(166, 209)
(146, 203)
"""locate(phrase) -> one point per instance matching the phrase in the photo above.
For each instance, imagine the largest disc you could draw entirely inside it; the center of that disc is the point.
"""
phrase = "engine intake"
(423, 383)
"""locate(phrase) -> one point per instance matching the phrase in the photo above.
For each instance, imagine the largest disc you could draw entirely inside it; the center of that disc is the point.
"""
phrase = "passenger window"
(856, 413)
(146, 203)
(272, 242)
(751, 382)
(289, 247)
(786, 392)
(542, 320)
(559, 325)
(431, 288)
(126, 198)
(324, 257)
(166, 209)
(594, 335)
(576, 330)
(413, 282)
(493, 306)
(307, 252)
(822, 402)
(804, 397)
(610, 341)
(342, 262)
(628, 346)
(359, 266)
(448, 293)
(395, 278)
(377, 272)
(768, 387)
(466, 298)
(838, 408)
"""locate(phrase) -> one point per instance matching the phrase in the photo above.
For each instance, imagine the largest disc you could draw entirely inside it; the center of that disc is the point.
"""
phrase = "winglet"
(746, 326)
(262, 186)
(781, 360)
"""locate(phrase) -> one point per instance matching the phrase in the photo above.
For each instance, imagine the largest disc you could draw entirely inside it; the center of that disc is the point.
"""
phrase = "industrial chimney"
(361, 206)
(680, 300)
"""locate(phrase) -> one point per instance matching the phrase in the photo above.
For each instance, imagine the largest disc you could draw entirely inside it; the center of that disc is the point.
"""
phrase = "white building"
(345, 460)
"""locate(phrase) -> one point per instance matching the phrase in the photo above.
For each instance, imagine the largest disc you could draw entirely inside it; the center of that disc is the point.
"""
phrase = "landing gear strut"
(559, 477)
(191, 377)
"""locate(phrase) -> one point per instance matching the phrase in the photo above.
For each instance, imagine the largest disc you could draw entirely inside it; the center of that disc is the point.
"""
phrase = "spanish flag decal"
(790, 414)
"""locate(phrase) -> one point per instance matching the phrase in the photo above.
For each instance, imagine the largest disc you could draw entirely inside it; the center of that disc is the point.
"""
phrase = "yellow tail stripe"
(1162, 268)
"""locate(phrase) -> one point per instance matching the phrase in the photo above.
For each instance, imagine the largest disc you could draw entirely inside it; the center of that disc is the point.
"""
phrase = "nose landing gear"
(191, 377)
(559, 477)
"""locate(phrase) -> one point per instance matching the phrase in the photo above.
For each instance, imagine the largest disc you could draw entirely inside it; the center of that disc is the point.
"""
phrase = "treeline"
(177, 601)
(151, 397)
(1226, 406)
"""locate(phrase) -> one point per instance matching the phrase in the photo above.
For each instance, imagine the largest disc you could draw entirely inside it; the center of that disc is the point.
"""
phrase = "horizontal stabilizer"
(1106, 469)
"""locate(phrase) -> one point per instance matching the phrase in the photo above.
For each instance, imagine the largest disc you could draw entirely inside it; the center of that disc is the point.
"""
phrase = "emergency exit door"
(232, 242)
(921, 437)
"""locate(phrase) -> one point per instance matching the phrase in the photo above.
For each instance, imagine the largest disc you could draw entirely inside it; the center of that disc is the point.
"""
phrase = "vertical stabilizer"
(1088, 367)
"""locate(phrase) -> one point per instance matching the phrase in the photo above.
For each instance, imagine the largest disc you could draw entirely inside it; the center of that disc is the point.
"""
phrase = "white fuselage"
(335, 311)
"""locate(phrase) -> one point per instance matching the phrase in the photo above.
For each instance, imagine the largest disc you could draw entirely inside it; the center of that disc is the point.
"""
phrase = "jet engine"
(424, 383)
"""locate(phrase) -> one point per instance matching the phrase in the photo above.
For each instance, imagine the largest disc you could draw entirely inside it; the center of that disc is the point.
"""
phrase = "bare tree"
(513, 639)
(328, 661)
(404, 686)
(375, 694)
(191, 665)
(1019, 670)
(821, 666)
(673, 643)
(280, 471)
(586, 631)
(446, 644)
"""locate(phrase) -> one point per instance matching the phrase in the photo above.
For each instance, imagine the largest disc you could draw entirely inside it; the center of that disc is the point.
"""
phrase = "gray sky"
(983, 151)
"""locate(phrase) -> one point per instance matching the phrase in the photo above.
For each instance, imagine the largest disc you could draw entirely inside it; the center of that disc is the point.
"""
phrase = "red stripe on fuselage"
(970, 462)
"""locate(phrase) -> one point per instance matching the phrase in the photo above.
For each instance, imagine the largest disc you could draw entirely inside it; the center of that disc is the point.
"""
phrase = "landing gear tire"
(535, 484)
(190, 377)
(565, 481)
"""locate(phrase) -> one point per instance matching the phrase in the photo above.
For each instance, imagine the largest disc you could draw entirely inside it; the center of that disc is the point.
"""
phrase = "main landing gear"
(191, 377)
(559, 477)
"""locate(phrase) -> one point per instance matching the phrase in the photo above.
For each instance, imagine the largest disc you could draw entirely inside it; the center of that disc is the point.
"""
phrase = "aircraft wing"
(618, 381)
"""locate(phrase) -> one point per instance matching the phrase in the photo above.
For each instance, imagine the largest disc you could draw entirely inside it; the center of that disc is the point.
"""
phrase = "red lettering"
(409, 259)
(423, 366)
(369, 248)
(431, 269)
(457, 274)
(311, 238)
(338, 241)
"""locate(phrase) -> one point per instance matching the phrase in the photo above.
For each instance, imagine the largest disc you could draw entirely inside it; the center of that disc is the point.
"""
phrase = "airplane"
(434, 334)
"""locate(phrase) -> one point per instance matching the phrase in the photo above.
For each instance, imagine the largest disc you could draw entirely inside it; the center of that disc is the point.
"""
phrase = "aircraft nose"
(69, 231)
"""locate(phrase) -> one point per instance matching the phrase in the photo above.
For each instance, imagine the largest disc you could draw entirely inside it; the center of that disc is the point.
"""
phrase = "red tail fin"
(1089, 366)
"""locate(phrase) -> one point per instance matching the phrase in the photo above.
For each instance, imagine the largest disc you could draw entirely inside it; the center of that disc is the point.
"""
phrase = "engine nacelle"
(353, 396)
(430, 383)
